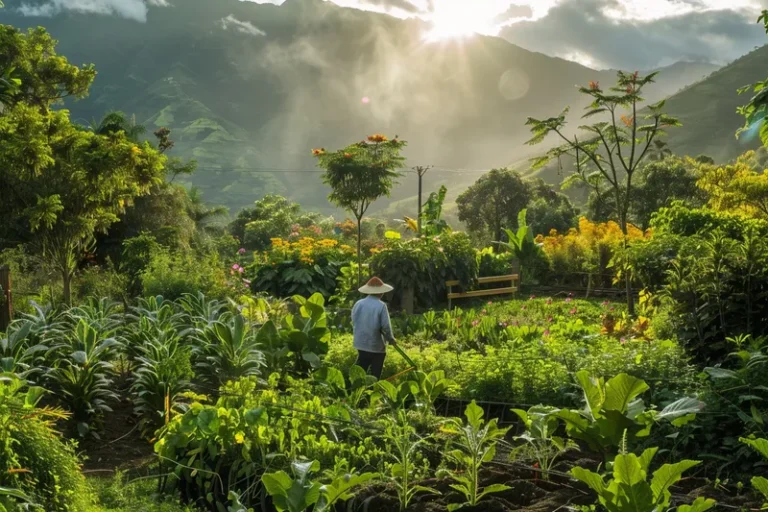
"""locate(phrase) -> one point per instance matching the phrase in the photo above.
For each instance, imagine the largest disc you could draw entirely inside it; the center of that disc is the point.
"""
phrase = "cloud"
(244, 27)
(514, 12)
(131, 9)
(403, 5)
(592, 31)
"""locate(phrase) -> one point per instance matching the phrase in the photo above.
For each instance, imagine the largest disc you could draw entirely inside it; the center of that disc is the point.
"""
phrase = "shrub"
(33, 457)
(174, 276)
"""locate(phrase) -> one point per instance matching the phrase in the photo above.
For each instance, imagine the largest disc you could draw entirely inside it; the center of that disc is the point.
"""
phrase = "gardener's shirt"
(371, 325)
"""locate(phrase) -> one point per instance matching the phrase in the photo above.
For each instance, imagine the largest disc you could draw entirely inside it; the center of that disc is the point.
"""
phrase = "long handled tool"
(407, 360)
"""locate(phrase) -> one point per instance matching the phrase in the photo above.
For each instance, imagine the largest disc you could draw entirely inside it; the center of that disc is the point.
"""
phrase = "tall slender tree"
(359, 175)
(612, 149)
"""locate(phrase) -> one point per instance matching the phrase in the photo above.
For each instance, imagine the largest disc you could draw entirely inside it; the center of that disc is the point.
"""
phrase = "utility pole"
(420, 170)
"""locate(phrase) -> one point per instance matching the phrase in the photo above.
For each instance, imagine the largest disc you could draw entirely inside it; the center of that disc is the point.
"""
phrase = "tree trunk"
(6, 298)
(627, 273)
(418, 219)
(359, 251)
(66, 279)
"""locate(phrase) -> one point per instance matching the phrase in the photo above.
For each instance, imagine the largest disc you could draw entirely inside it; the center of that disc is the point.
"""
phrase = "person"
(371, 327)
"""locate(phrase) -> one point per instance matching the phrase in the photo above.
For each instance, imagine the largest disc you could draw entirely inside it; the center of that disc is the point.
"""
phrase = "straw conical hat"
(375, 287)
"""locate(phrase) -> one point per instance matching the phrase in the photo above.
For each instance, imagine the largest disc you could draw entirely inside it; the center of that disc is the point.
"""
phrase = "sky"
(639, 34)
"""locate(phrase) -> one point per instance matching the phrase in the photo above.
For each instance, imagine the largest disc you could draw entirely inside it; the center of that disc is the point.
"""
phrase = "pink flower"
(503, 324)
(605, 303)
(475, 323)
(546, 332)
(241, 251)
(623, 341)
(523, 308)
(568, 300)
(235, 267)
(550, 320)
(489, 302)
(612, 308)
(241, 270)
(247, 282)
(549, 301)
(532, 297)
(573, 311)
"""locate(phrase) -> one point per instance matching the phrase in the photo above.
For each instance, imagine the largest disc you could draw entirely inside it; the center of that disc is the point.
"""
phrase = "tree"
(614, 148)
(271, 217)
(549, 209)
(431, 222)
(755, 111)
(62, 184)
(114, 122)
(736, 186)
(493, 202)
(661, 182)
(659, 151)
(359, 175)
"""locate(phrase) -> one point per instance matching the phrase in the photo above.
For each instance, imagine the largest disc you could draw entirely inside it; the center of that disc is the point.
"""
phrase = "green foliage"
(360, 174)
(614, 415)
(293, 494)
(493, 203)
(227, 349)
(82, 376)
(473, 443)
(405, 446)
(173, 276)
(272, 216)
(629, 489)
(540, 441)
(758, 482)
(661, 182)
(35, 463)
(521, 243)
(425, 264)
(432, 223)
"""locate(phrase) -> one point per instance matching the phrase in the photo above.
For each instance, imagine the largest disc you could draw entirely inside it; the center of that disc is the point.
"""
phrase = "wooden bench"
(512, 279)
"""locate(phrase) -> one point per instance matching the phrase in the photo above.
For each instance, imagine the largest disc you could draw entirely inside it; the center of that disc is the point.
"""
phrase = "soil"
(120, 445)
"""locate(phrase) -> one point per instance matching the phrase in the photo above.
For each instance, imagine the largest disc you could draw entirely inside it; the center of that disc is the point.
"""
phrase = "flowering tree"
(612, 150)
(359, 174)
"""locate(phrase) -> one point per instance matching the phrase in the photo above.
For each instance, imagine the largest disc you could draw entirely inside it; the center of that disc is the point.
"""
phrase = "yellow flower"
(239, 438)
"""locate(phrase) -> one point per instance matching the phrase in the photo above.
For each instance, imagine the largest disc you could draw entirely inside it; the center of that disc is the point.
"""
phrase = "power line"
(276, 170)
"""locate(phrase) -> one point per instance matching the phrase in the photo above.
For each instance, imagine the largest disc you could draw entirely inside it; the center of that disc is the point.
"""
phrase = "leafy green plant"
(614, 414)
(474, 443)
(629, 490)
(295, 494)
(521, 243)
(83, 377)
(539, 439)
(758, 482)
(226, 350)
(162, 375)
(405, 445)
(17, 355)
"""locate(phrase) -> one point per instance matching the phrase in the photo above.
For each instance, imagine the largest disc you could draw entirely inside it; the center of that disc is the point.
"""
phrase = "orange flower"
(595, 86)
(627, 121)
(318, 152)
(377, 138)
(347, 155)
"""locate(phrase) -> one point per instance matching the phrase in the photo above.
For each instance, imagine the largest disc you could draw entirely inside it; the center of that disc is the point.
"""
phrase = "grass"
(118, 494)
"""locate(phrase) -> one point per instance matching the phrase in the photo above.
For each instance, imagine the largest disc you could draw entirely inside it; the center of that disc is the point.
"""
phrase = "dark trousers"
(372, 362)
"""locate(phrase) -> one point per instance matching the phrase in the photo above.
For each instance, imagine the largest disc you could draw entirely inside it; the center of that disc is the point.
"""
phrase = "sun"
(457, 20)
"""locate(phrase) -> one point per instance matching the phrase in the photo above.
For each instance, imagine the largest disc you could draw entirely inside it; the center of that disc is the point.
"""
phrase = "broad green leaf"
(621, 390)
(721, 373)
(492, 489)
(699, 505)
(760, 445)
(593, 480)
(276, 483)
(637, 497)
(594, 392)
(627, 469)
(646, 457)
(474, 414)
(669, 474)
(679, 408)
(761, 484)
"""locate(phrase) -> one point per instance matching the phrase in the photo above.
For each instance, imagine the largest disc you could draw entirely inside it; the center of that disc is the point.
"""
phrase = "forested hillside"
(248, 89)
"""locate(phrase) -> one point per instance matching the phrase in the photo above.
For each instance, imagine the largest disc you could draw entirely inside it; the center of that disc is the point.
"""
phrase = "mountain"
(707, 110)
(248, 89)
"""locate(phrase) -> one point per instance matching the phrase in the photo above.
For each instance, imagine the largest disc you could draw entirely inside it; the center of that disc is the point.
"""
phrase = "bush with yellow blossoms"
(582, 255)
(300, 267)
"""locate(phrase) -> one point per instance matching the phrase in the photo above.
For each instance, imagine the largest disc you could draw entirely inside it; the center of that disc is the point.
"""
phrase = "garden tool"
(407, 360)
